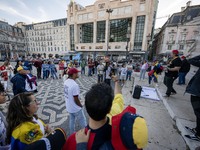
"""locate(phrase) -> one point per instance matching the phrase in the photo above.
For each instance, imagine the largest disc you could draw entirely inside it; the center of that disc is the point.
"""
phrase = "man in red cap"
(171, 73)
(185, 68)
(73, 104)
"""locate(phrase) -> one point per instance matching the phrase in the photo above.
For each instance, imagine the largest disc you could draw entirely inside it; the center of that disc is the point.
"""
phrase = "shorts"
(122, 77)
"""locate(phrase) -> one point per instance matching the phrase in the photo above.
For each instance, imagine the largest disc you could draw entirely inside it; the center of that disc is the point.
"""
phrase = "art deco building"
(113, 27)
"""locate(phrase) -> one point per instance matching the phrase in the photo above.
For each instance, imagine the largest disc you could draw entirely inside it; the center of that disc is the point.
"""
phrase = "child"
(45, 67)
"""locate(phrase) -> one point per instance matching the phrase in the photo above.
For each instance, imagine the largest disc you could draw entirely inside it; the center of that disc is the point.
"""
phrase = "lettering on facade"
(117, 47)
(82, 47)
(101, 6)
(99, 47)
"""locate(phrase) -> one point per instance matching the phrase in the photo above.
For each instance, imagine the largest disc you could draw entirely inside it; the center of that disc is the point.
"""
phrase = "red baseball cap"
(175, 51)
(73, 71)
(183, 57)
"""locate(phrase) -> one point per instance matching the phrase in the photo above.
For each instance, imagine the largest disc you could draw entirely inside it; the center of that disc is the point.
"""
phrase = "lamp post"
(128, 34)
(148, 45)
(109, 11)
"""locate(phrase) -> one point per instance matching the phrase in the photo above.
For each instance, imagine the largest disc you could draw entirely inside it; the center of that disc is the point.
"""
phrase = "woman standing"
(143, 70)
(24, 126)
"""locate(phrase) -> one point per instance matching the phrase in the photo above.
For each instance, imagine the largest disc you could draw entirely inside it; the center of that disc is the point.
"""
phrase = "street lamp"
(109, 11)
(128, 34)
(148, 44)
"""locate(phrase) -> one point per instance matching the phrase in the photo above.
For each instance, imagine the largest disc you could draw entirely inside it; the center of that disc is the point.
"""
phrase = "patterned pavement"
(52, 109)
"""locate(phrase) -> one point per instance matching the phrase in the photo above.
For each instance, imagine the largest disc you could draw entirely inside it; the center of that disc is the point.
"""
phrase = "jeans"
(128, 75)
(89, 71)
(168, 81)
(80, 117)
(195, 100)
(100, 78)
(45, 74)
(142, 74)
(181, 79)
(54, 75)
(82, 70)
(154, 79)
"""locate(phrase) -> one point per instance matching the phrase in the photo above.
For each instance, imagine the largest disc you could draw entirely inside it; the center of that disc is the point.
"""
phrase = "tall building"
(47, 38)
(113, 27)
(12, 42)
(181, 32)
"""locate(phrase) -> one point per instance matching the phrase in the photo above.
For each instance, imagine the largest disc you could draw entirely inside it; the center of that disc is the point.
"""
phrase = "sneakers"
(173, 93)
(165, 95)
(193, 137)
(192, 130)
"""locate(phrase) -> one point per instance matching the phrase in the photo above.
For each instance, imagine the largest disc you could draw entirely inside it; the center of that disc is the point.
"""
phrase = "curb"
(178, 123)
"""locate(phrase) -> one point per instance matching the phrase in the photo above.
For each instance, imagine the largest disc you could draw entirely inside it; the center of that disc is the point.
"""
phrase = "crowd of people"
(110, 125)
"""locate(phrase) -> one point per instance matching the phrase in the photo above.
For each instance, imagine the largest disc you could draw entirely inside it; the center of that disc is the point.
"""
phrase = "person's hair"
(2, 88)
(18, 112)
(18, 62)
(98, 101)
(6, 63)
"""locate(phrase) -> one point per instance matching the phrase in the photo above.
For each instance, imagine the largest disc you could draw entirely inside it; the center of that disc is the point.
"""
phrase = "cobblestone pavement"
(52, 108)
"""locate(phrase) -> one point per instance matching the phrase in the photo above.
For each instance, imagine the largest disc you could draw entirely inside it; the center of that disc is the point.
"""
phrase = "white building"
(48, 37)
(102, 28)
(180, 32)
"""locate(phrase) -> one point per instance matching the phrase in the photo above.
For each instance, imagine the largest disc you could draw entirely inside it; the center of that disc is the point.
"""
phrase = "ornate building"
(12, 43)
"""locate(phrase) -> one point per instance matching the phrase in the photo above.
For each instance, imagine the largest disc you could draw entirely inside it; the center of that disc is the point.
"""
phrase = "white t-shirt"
(108, 71)
(39, 122)
(129, 67)
(123, 71)
(144, 66)
(100, 69)
(71, 89)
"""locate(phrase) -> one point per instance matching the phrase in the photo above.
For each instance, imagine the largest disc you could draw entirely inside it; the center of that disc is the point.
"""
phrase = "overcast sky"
(30, 11)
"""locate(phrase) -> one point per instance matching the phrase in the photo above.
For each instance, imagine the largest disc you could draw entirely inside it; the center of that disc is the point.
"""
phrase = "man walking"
(172, 73)
(185, 68)
(100, 69)
(194, 89)
(73, 104)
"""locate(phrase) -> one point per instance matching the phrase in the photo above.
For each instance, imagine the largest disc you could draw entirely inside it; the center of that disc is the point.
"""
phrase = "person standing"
(143, 70)
(107, 70)
(171, 73)
(83, 64)
(123, 74)
(53, 70)
(129, 70)
(4, 70)
(38, 65)
(194, 89)
(19, 63)
(90, 66)
(185, 68)
(61, 68)
(100, 69)
(72, 99)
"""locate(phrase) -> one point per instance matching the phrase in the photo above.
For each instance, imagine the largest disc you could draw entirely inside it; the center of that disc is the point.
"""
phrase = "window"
(169, 47)
(139, 31)
(101, 28)
(87, 33)
(181, 47)
(171, 38)
(119, 29)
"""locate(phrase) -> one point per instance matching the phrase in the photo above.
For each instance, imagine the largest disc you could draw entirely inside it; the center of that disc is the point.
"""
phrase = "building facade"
(112, 27)
(12, 42)
(47, 38)
(181, 32)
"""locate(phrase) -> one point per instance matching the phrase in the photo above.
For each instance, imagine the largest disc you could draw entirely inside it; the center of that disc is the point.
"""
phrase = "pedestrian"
(153, 73)
(53, 70)
(83, 64)
(194, 89)
(19, 63)
(185, 68)
(61, 68)
(100, 114)
(107, 72)
(123, 74)
(28, 64)
(31, 84)
(45, 67)
(3, 122)
(4, 70)
(171, 73)
(100, 69)
(19, 81)
(38, 65)
(90, 67)
(143, 70)
(129, 70)
(24, 126)
(72, 99)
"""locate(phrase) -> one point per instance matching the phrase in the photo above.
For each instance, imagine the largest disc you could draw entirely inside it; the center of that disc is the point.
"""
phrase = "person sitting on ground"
(101, 107)
(19, 80)
(24, 126)
(3, 123)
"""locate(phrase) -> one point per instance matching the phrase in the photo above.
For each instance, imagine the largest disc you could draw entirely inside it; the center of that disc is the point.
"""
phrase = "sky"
(33, 11)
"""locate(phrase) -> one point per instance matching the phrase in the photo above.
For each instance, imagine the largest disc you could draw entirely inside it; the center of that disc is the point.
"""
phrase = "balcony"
(190, 41)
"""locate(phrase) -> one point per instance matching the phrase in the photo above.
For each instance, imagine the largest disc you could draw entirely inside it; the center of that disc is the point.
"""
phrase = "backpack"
(31, 84)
